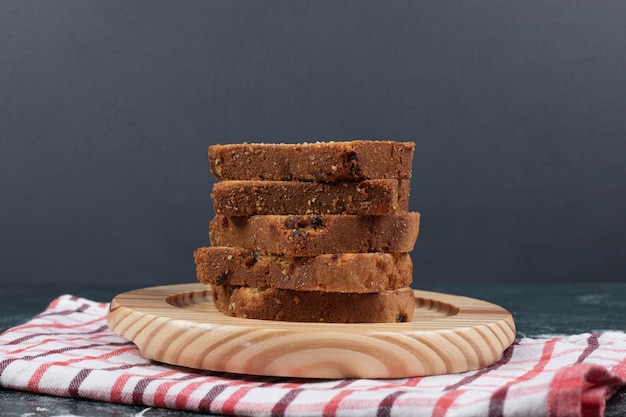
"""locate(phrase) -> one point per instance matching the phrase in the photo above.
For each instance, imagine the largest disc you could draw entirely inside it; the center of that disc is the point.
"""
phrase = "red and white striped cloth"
(68, 350)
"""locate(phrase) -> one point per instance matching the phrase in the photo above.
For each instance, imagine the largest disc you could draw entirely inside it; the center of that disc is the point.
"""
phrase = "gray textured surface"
(517, 109)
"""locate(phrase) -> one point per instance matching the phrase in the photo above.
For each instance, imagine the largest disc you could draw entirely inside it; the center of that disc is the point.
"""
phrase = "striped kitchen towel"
(68, 350)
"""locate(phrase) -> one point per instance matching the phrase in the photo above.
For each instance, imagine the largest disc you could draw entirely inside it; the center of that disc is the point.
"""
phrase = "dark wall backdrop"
(518, 110)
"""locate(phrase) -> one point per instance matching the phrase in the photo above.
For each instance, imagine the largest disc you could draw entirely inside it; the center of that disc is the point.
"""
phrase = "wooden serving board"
(178, 325)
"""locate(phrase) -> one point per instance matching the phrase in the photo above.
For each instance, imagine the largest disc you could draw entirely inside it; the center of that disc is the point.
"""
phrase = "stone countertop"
(538, 310)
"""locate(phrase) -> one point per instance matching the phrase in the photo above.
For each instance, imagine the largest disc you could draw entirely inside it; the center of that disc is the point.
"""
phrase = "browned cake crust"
(323, 161)
(310, 306)
(341, 272)
(310, 235)
(369, 197)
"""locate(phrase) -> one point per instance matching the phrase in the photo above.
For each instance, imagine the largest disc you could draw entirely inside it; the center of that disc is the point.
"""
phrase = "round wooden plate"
(178, 325)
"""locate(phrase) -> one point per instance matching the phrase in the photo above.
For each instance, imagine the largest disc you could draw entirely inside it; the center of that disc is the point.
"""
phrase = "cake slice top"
(321, 161)
(394, 306)
(313, 234)
(368, 197)
(338, 272)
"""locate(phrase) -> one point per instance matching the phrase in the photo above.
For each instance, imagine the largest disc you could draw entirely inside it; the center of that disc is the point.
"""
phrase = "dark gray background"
(518, 110)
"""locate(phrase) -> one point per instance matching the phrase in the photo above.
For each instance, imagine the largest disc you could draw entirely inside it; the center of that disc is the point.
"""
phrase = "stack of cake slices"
(313, 232)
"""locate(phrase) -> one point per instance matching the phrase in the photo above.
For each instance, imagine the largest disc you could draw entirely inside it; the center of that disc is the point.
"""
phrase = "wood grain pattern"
(178, 325)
